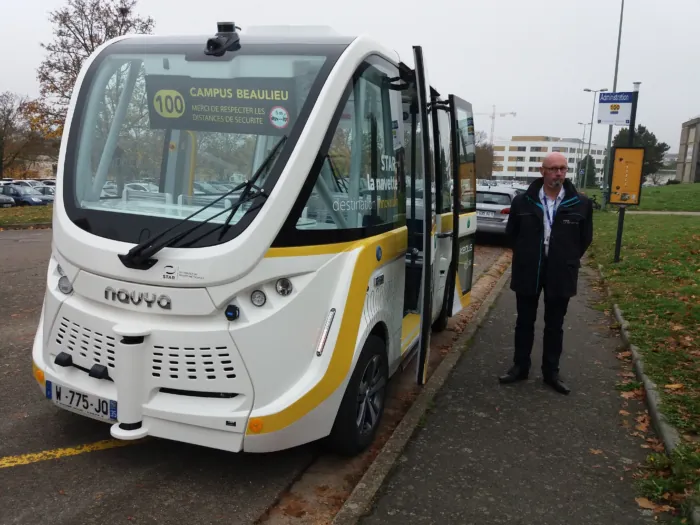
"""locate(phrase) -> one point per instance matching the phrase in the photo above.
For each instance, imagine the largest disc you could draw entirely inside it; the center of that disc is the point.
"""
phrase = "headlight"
(35, 199)
(258, 298)
(284, 286)
(64, 285)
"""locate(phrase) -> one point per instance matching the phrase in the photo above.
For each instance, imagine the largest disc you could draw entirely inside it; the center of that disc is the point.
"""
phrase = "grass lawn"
(25, 214)
(677, 197)
(657, 286)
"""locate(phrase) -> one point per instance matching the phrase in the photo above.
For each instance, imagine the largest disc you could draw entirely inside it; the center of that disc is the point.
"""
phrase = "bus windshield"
(157, 136)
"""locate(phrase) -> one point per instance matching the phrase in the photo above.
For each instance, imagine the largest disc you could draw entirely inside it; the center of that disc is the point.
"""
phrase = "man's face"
(554, 170)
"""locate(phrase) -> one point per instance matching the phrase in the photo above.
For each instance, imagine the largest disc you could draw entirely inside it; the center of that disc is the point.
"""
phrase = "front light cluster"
(64, 284)
(283, 287)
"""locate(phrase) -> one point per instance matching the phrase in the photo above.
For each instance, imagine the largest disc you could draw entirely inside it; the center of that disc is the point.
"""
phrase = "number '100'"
(169, 103)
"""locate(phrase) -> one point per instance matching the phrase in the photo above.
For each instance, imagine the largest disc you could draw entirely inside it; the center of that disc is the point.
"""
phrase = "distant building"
(688, 168)
(670, 158)
(520, 157)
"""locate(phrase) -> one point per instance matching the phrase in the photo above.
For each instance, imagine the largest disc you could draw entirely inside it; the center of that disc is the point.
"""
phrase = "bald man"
(551, 227)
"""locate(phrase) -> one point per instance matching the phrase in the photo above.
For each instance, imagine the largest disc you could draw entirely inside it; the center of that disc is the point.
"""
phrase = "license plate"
(86, 404)
(485, 214)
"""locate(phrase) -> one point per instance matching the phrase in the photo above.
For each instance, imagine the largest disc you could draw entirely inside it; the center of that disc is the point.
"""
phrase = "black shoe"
(557, 384)
(513, 375)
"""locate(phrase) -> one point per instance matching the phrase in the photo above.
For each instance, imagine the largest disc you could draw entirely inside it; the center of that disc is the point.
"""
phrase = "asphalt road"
(156, 482)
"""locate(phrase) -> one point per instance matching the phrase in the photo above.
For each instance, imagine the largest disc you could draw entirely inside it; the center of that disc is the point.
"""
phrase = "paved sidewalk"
(523, 454)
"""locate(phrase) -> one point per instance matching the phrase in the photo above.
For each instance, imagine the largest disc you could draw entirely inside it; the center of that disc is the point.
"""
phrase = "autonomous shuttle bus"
(252, 232)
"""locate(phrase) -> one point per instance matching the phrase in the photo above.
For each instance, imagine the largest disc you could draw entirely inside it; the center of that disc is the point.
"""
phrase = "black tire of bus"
(345, 438)
(440, 323)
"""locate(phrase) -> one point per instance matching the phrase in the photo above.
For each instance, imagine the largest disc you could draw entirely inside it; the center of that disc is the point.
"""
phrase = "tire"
(440, 323)
(348, 437)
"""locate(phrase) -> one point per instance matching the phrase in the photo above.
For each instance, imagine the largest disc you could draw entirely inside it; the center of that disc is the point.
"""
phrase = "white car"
(492, 208)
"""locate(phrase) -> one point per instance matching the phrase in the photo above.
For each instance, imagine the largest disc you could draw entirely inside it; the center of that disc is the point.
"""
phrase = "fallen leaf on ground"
(674, 386)
(596, 451)
(645, 503)
(676, 327)
(630, 394)
(624, 413)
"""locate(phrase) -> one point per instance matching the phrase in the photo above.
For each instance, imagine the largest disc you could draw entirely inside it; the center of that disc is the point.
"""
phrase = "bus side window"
(357, 186)
(467, 162)
(445, 199)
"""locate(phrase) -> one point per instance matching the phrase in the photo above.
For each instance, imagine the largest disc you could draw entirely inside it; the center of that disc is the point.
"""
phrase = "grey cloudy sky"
(533, 57)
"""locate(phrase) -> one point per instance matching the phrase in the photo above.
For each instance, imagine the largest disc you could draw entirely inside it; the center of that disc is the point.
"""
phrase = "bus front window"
(158, 136)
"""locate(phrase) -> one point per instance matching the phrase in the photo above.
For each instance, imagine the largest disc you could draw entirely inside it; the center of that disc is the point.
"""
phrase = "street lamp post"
(579, 158)
(607, 177)
(590, 134)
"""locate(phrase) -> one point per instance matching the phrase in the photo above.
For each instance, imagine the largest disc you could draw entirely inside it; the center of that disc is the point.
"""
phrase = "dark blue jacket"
(572, 234)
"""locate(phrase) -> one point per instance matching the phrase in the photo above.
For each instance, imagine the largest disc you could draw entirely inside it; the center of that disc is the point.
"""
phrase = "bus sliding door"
(464, 180)
(429, 218)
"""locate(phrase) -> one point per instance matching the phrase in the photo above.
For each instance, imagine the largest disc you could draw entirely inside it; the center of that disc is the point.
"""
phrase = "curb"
(26, 226)
(363, 494)
(669, 434)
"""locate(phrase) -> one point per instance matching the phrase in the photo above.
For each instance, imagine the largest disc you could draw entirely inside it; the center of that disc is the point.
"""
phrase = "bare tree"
(79, 29)
(16, 136)
(484, 156)
(654, 178)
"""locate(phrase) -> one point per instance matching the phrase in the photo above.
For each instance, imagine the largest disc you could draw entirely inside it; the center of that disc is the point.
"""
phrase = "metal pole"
(590, 138)
(579, 157)
(630, 144)
(607, 175)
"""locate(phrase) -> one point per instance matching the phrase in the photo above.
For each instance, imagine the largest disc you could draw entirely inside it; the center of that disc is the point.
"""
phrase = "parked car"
(493, 207)
(25, 196)
(6, 201)
(30, 183)
(49, 192)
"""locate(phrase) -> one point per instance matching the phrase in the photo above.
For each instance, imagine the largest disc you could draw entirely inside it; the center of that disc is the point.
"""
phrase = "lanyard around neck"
(550, 219)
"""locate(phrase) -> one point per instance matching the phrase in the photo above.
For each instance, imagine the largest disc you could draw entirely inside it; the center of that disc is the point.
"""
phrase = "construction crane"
(493, 115)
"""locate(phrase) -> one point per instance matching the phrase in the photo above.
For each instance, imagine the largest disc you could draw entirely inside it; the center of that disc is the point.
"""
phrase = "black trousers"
(554, 312)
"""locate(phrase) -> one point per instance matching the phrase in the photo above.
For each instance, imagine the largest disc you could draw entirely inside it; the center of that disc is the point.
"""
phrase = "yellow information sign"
(626, 185)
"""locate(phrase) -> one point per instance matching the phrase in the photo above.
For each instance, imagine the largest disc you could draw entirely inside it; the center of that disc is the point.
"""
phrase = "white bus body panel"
(272, 349)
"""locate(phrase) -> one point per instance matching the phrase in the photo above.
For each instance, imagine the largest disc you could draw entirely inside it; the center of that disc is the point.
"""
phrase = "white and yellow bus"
(264, 314)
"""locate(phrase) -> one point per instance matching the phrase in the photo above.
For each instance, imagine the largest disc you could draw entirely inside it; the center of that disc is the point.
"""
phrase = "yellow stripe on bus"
(393, 244)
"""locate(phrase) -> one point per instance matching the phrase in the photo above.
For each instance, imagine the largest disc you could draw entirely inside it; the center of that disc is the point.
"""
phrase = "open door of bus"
(429, 222)
(464, 195)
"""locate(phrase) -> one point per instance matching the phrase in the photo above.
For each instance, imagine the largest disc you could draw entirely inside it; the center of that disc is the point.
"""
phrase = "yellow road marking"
(26, 459)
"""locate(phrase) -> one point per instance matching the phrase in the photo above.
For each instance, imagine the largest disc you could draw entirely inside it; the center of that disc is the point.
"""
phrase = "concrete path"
(523, 454)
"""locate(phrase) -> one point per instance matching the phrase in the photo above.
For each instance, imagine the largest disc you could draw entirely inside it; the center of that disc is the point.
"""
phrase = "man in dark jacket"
(551, 227)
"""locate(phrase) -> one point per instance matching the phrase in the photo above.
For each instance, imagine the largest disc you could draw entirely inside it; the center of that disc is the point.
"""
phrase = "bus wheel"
(441, 322)
(362, 407)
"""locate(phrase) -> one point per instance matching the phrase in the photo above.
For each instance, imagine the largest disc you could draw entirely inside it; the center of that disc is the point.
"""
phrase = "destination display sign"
(261, 105)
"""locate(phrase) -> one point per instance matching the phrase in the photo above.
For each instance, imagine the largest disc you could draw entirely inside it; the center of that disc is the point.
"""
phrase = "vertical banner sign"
(615, 108)
(626, 183)
(260, 106)
(465, 266)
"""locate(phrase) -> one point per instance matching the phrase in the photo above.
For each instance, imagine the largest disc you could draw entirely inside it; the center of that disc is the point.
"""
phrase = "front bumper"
(495, 227)
(189, 386)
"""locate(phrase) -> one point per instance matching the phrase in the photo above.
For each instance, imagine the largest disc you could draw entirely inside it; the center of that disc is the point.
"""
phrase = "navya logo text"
(125, 297)
(465, 249)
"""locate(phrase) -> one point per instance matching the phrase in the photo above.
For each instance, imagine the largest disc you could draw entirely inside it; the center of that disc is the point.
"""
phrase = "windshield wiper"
(140, 256)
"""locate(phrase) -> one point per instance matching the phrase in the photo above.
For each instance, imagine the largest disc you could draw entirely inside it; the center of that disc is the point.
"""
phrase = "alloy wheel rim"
(370, 396)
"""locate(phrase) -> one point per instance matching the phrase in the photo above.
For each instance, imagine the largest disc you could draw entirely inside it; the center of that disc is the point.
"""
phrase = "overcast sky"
(533, 57)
